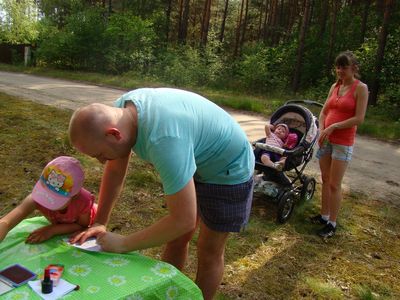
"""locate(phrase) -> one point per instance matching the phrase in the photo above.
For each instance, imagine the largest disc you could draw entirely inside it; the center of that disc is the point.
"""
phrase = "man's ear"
(114, 132)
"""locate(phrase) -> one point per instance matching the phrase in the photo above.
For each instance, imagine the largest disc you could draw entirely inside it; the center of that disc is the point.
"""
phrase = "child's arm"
(44, 233)
(14, 217)
(268, 129)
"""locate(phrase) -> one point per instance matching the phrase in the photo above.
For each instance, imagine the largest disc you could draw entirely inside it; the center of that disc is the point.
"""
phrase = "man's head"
(99, 131)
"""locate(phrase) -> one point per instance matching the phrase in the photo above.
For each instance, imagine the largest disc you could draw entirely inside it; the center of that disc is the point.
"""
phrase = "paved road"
(374, 170)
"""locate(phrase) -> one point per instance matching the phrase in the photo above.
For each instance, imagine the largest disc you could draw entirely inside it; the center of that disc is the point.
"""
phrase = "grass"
(266, 261)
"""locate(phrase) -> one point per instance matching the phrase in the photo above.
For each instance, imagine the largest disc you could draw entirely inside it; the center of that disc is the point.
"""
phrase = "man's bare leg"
(176, 251)
(210, 253)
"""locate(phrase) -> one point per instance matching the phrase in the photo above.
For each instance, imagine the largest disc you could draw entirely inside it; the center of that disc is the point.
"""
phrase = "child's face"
(280, 132)
(66, 204)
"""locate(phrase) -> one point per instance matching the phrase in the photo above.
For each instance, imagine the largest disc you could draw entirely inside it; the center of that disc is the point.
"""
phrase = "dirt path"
(373, 171)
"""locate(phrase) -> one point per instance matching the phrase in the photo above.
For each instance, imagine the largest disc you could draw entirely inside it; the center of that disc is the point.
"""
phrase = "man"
(205, 164)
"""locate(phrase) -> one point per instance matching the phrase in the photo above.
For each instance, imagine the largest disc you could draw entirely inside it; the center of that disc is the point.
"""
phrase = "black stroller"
(289, 185)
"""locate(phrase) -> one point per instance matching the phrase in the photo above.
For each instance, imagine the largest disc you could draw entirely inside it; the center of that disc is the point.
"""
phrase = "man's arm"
(110, 189)
(181, 219)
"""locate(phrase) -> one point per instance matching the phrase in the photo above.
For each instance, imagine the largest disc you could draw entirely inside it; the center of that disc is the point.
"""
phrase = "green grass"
(266, 261)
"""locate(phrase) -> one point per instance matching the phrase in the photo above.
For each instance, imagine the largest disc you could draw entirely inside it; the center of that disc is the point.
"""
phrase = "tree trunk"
(364, 20)
(244, 27)
(323, 19)
(332, 38)
(167, 19)
(239, 26)
(266, 20)
(205, 23)
(222, 32)
(373, 98)
(183, 28)
(300, 50)
(260, 20)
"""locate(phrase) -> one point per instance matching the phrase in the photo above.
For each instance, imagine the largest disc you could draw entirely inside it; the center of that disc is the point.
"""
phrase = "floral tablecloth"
(100, 275)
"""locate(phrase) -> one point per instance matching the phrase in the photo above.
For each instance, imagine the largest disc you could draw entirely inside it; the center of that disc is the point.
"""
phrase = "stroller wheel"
(308, 189)
(285, 206)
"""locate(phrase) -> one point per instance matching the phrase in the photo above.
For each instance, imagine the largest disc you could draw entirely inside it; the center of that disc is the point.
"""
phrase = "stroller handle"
(305, 101)
(278, 150)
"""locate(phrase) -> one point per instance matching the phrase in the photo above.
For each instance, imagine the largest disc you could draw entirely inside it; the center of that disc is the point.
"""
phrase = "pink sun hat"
(284, 126)
(61, 179)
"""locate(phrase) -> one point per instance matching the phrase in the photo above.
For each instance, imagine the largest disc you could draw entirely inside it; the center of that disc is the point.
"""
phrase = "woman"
(343, 110)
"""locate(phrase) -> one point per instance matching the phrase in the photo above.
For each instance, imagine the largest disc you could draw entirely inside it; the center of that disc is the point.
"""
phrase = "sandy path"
(373, 171)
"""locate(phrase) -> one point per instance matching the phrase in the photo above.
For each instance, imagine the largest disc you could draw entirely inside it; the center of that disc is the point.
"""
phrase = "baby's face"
(280, 132)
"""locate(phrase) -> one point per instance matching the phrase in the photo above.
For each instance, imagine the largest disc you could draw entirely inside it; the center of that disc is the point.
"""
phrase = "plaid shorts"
(225, 208)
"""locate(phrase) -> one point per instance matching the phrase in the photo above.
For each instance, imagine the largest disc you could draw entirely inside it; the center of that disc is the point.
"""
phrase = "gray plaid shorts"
(225, 208)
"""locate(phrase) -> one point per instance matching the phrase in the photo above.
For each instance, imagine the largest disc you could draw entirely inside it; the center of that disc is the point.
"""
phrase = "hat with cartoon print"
(61, 179)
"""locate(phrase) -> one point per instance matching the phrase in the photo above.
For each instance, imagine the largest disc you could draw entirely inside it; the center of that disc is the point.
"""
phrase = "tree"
(19, 21)
(364, 20)
(225, 14)
(183, 21)
(205, 24)
(300, 49)
(373, 98)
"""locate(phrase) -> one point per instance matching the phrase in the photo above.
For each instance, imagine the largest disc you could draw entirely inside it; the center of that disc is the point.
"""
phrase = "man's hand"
(94, 230)
(112, 242)
(40, 235)
(3, 230)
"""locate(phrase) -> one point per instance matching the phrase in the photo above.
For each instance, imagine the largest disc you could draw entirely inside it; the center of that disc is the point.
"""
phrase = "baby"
(278, 136)
(59, 195)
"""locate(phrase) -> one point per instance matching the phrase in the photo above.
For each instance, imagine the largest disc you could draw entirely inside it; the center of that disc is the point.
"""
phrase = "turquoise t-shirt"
(184, 135)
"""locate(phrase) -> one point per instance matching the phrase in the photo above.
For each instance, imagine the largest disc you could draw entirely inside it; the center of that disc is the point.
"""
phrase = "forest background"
(258, 47)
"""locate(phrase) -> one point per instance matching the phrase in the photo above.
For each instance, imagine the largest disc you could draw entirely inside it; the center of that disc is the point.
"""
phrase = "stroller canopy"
(300, 120)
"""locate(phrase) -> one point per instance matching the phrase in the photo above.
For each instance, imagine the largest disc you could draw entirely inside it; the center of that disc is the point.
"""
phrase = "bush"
(130, 44)
(76, 46)
(263, 69)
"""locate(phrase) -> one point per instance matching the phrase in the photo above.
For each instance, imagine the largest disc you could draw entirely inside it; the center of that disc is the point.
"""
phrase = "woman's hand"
(112, 242)
(95, 230)
(325, 133)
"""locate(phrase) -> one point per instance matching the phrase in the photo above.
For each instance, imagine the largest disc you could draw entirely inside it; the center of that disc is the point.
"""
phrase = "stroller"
(289, 185)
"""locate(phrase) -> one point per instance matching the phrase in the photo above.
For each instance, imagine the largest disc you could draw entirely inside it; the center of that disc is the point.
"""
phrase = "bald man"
(205, 164)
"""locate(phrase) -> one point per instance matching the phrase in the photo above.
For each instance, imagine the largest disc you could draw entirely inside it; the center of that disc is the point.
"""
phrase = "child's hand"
(40, 235)
(112, 242)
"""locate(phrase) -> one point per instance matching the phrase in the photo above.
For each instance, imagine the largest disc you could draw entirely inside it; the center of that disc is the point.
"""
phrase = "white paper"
(5, 287)
(62, 288)
(90, 245)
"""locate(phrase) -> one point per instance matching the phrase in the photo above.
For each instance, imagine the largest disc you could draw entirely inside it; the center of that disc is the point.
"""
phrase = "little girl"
(60, 197)
(279, 136)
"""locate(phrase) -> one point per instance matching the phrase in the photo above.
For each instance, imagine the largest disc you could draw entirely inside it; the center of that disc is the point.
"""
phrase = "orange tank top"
(341, 108)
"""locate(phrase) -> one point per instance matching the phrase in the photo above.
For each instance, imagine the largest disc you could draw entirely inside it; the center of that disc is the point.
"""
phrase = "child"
(278, 136)
(60, 197)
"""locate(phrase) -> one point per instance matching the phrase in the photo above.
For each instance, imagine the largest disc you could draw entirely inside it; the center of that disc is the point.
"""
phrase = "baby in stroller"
(279, 136)
(280, 164)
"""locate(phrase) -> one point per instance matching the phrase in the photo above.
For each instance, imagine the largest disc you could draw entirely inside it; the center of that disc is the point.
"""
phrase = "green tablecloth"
(100, 275)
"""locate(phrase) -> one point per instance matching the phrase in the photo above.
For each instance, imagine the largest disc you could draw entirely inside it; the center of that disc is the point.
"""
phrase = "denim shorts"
(225, 208)
(338, 152)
